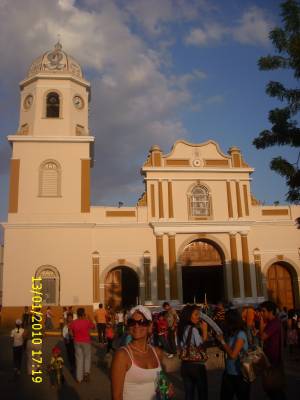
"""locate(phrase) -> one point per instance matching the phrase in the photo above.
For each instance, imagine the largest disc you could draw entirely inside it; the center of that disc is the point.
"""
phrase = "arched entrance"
(280, 285)
(121, 287)
(202, 272)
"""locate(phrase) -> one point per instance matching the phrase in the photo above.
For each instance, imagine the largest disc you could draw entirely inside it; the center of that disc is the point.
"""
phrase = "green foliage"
(285, 130)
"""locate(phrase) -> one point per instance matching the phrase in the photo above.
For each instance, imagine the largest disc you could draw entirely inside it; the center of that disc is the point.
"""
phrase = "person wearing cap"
(135, 367)
(17, 335)
(56, 367)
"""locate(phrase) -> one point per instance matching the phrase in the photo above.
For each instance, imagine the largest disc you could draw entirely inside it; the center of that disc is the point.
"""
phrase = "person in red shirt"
(80, 329)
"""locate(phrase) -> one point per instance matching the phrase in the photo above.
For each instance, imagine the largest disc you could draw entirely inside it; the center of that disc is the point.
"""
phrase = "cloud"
(209, 34)
(251, 28)
(216, 99)
(134, 103)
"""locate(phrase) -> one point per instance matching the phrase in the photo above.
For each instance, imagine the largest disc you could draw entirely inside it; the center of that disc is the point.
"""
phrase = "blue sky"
(160, 70)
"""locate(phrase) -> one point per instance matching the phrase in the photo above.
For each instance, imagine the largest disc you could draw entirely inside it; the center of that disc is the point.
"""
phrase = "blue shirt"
(196, 338)
(233, 367)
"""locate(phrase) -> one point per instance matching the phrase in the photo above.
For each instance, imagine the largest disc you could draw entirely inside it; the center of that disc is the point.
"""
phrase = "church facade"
(196, 234)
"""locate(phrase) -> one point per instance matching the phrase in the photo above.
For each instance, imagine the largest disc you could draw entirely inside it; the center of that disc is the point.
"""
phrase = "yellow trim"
(238, 200)
(160, 200)
(96, 283)
(147, 277)
(161, 289)
(234, 267)
(229, 200)
(173, 269)
(14, 186)
(279, 211)
(258, 275)
(175, 162)
(152, 200)
(156, 159)
(85, 186)
(216, 163)
(245, 191)
(246, 266)
(120, 213)
(170, 200)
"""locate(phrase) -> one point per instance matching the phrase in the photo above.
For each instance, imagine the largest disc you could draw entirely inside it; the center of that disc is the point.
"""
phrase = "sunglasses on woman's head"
(139, 322)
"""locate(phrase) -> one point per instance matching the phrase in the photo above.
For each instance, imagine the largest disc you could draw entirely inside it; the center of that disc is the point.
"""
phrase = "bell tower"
(50, 165)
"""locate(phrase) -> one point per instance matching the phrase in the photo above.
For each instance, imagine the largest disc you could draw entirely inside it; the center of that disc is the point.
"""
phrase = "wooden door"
(280, 288)
(113, 288)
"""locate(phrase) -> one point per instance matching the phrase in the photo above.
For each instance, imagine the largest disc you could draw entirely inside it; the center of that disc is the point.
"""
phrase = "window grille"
(49, 282)
(199, 202)
(52, 105)
(50, 179)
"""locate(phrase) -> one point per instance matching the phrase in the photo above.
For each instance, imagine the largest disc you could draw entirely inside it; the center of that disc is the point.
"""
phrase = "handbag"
(216, 359)
(191, 352)
(253, 363)
(164, 388)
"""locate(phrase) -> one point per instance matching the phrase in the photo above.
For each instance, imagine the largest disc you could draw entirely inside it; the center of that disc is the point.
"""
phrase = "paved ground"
(22, 388)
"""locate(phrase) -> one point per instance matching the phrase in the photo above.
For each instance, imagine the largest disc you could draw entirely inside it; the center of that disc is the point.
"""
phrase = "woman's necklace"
(137, 349)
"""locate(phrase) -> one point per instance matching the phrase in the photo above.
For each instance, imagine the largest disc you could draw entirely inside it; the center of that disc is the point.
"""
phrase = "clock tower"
(50, 165)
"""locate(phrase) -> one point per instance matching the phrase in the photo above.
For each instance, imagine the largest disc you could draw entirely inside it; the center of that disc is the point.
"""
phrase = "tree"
(285, 130)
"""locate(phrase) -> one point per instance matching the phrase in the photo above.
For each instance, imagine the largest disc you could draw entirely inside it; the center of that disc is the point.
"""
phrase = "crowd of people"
(139, 340)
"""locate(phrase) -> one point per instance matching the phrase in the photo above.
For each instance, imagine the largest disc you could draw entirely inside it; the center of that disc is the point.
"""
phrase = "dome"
(55, 61)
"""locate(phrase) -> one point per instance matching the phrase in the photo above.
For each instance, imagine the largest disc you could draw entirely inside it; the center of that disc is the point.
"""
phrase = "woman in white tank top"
(135, 368)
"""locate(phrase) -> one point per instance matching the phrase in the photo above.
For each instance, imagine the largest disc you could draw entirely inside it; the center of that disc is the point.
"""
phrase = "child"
(109, 333)
(69, 342)
(56, 367)
(18, 344)
(162, 328)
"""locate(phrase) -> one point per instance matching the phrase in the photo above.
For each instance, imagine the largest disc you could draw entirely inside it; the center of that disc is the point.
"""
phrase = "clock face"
(78, 102)
(28, 101)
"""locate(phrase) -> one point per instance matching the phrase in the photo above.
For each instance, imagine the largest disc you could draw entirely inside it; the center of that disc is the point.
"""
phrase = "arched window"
(52, 105)
(199, 202)
(50, 179)
(50, 284)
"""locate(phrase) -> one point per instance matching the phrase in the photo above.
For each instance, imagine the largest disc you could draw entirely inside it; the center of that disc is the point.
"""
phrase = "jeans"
(101, 332)
(171, 339)
(17, 356)
(194, 379)
(234, 385)
(83, 359)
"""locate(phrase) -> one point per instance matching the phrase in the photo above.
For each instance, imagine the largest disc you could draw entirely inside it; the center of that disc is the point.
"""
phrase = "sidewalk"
(22, 388)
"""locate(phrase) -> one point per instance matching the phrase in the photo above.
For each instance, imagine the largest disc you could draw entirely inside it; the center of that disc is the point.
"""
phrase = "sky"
(160, 70)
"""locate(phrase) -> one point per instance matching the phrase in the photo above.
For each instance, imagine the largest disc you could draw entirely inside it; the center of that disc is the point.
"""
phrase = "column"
(236, 292)
(160, 200)
(229, 200)
(173, 268)
(246, 265)
(170, 199)
(238, 199)
(147, 275)
(161, 286)
(96, 270)
(245, 191)
(152, 193)
(258, 274)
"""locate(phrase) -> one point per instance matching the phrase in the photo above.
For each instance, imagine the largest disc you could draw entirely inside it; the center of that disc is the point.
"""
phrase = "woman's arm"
(119, 367)
(204, 330)
(232, 352)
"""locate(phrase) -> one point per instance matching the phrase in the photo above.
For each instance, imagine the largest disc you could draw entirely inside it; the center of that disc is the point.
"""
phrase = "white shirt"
(18, 337)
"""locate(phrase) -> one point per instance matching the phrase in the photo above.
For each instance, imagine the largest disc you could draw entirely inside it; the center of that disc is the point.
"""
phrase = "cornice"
(198, 169)
(44, 76)
(63, 139)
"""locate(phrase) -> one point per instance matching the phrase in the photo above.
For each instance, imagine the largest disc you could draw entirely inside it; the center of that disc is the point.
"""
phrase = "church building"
(196, 233)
